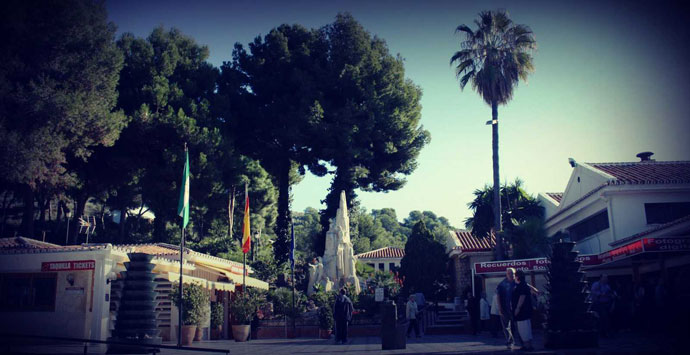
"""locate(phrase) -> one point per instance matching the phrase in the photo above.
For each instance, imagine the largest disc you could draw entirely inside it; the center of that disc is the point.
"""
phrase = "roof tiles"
(383, 253)
(647, 172)
(470, 243)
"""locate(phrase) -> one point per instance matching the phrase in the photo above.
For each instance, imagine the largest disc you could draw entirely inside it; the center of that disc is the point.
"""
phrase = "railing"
(150, 348)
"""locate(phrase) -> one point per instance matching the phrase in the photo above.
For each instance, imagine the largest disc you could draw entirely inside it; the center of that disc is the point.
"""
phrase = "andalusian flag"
(246, 236)
(183, 205)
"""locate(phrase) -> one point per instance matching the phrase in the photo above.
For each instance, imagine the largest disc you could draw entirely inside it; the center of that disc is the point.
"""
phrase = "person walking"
(342, 312)
(411, 311)
(504, 290)
(522, 310)
(495, 316)
(602, 298)
(484, 312)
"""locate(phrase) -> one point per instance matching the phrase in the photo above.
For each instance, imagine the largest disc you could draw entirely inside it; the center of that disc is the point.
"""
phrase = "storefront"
(72, 291)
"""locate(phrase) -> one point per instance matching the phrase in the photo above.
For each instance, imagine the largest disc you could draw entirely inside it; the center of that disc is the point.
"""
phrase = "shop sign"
(539, 264)
(666, 244)
(68, 265)
(622, 252)
(378, 294)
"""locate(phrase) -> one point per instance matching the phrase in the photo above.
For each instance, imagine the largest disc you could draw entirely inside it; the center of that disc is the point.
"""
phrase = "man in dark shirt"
(522, 310)
(504, 290)
(342, 312)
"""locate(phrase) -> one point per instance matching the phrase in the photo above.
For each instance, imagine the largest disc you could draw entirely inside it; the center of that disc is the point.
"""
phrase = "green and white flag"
(183, 206)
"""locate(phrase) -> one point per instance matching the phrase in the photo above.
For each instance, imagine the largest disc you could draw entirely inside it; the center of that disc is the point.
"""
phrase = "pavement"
(624, 343)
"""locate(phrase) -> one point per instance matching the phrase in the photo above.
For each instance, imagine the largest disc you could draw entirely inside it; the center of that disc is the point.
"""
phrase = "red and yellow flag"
(246, 236)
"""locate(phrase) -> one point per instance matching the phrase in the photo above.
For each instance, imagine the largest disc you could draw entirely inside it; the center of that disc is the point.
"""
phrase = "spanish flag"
(246, 236)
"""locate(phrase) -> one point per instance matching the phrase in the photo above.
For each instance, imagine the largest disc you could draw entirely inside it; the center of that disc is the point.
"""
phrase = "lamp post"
(68, 215)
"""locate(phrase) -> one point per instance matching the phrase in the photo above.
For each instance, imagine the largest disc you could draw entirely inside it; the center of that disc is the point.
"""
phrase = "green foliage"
(439, 226)
(307, 232)
(326, 318)
(364, 270)
(217, 313)
(522, 218)
(243, 308)
(194, 303)
(371, 115)
(368, 304)
(282, 302)
(425, 260)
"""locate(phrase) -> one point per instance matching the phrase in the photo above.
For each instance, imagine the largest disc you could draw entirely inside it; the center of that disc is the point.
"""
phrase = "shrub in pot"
(194, 298)
(243, 308)
(325, 322)
(217, 313)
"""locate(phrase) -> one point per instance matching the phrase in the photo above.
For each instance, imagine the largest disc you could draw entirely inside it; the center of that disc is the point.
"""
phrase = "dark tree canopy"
(371, 115)
(425, 261)
(58, 80)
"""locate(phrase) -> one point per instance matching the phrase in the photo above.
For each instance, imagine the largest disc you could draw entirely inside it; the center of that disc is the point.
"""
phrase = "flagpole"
(179, 306)
(244, 254)
(292, 266)
(183, 211)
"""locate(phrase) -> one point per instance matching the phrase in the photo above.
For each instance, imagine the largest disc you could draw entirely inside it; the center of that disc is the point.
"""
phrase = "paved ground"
(433, 344)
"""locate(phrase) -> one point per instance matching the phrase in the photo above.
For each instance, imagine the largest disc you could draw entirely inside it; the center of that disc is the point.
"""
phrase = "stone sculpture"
(337, 268)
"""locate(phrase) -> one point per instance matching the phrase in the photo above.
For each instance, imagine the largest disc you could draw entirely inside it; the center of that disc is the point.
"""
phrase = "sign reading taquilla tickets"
(68, 265)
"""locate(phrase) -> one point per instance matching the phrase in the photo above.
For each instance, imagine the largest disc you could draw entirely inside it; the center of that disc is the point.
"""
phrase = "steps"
(448, 322)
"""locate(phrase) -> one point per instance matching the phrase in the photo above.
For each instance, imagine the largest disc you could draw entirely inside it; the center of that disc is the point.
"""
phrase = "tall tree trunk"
(6, 202)
(342, 181)
(281, 247)
(79, 206)
(497, 181)
(159, 235)
(28, 215)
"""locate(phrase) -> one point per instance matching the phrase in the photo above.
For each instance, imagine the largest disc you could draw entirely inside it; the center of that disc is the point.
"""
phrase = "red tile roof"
(555, 195)
(25, 243)
(383, 253)
(650, 231)
(471, 243)
(164, 249)
(648, 172)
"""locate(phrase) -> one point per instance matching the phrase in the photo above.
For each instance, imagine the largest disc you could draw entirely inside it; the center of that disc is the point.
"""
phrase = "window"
(381, 266)
(28, 292)
(589, 226)
(373, 266)
(391, 266)
(658, 213)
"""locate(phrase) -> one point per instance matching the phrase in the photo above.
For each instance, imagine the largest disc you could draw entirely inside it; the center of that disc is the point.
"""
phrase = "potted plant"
(204, 314)
(217, 313)
(325, 322)
(242, 308)
(193, 299)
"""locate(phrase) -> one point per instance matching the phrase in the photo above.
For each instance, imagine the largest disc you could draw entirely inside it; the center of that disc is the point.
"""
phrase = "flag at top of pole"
(183, 205)
(246, 236)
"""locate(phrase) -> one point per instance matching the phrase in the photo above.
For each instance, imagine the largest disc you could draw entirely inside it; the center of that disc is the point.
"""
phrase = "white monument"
(338, 266)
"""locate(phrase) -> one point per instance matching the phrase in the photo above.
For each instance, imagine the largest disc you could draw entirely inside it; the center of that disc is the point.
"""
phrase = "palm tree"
(494, 57)
(520, 214)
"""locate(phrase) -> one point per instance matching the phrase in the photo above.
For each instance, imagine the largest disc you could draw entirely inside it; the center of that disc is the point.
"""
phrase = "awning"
(237, 279)
(211, 285)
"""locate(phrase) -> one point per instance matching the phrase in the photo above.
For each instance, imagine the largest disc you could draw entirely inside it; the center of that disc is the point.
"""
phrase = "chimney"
(645, 156)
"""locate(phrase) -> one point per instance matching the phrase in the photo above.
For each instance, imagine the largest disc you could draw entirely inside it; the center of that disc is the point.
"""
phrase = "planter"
(325, 333)
(241, 332)
(217, 333)
(199, 333)
(188, 332)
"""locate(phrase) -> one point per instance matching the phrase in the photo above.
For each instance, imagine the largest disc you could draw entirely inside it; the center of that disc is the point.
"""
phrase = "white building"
(69, 291)
(634, 215)
(383, 259)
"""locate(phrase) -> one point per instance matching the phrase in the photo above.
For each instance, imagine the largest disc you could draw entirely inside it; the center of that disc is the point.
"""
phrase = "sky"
(611, 81)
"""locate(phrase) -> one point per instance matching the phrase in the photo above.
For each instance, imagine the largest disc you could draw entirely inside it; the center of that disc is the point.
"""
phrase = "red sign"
(621, 252)
(539, 264)
(666, 244)
(68, 265)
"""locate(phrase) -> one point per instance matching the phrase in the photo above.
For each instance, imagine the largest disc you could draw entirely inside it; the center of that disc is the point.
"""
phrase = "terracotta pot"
(199, 333)
(324, 333)
(241, 332)
(217, 333)
(188, 332)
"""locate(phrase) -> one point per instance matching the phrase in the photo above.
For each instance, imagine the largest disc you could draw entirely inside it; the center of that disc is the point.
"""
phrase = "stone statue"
(338, 266)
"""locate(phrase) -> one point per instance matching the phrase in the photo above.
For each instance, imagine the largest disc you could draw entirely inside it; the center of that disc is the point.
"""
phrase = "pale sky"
(611, 81)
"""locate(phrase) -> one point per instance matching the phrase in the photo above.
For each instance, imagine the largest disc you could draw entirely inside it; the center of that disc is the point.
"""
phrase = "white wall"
(589, 180)
(628, 207)
(72, 316)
